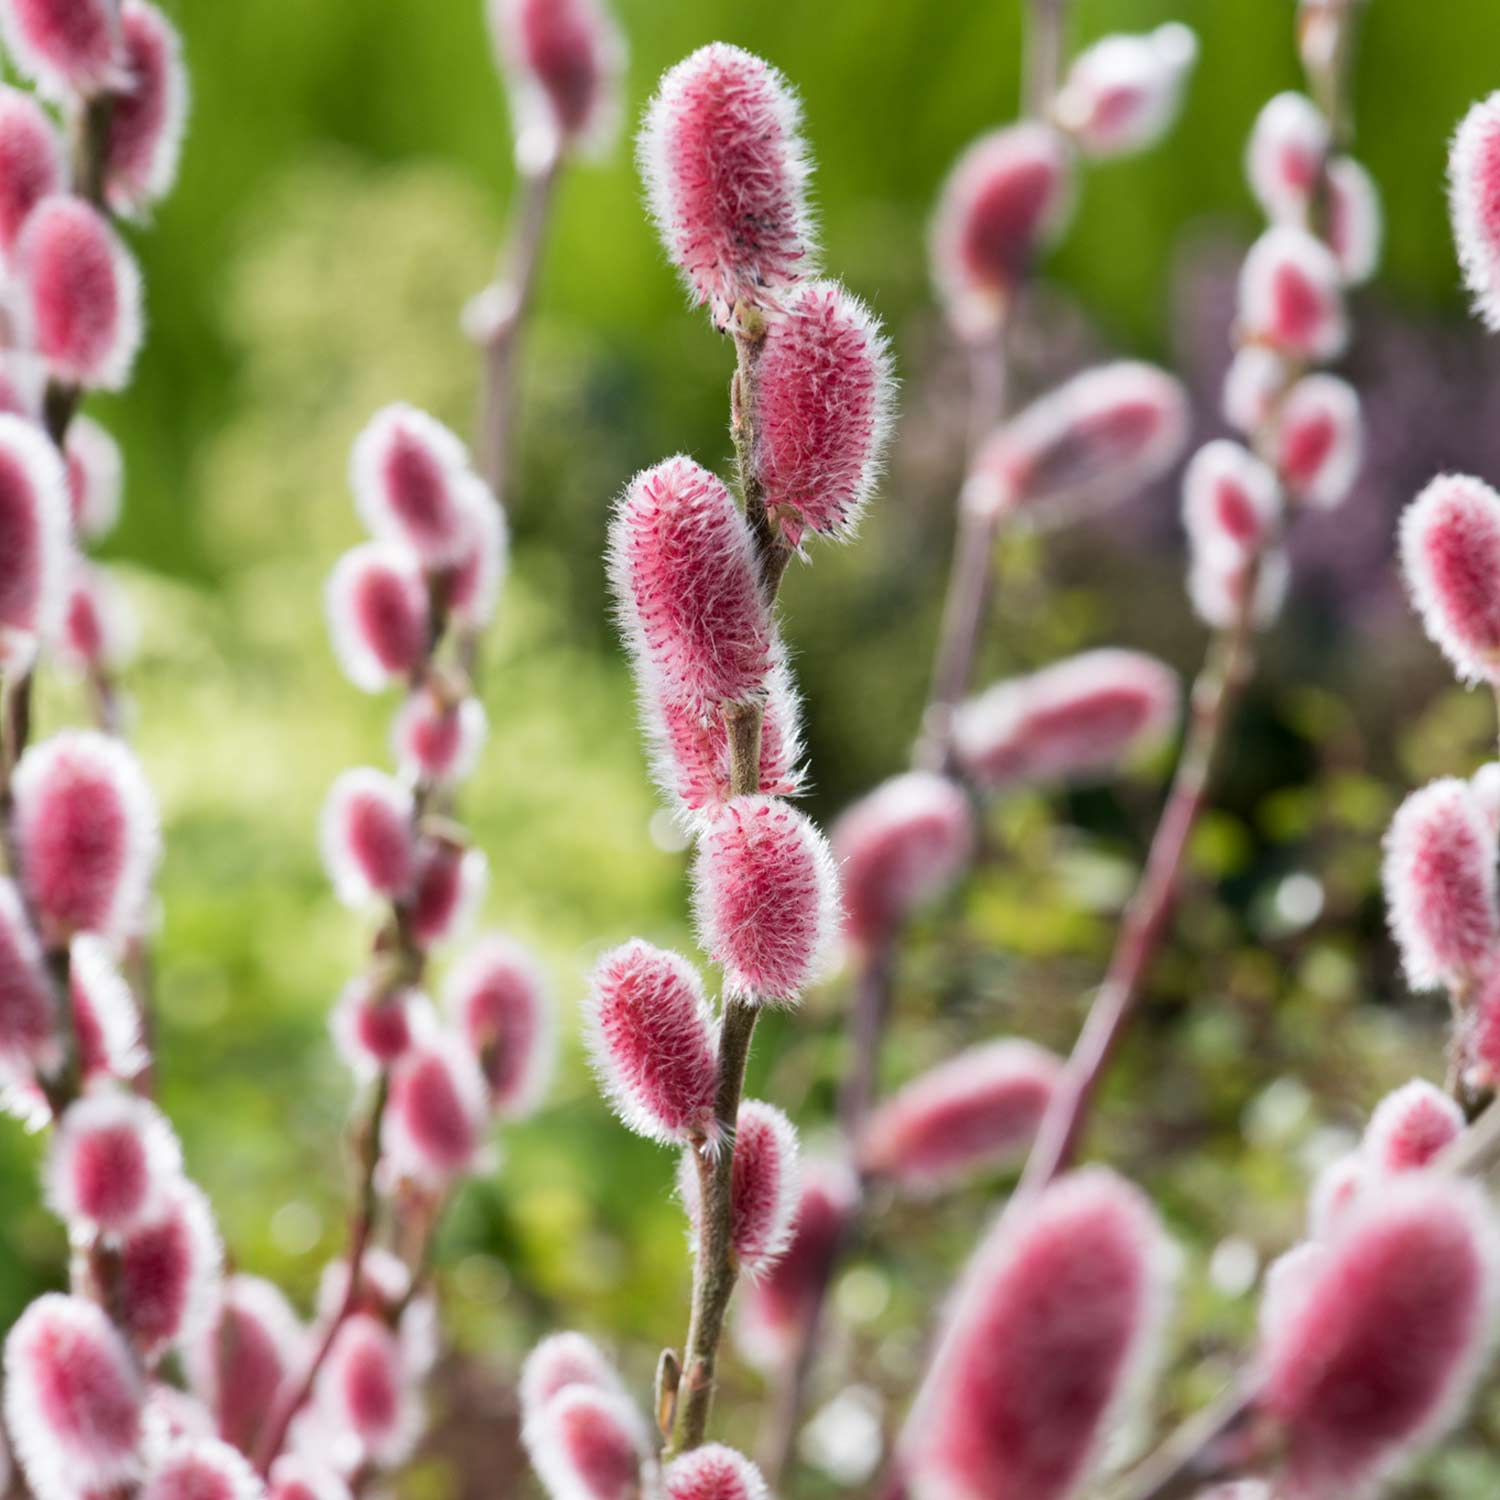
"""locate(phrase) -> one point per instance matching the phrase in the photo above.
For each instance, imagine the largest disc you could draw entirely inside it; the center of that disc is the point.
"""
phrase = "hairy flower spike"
(149, 116)
(1440, 884)
(79, 294)
(823, 396)
(683, 570)
(714, 1472)
(1474, 204)
(977, 1110)
(65, 45)
(73, 1398)
(364, 1391)
(1055, 1325)
(562, 61)
(1253, 387)
(366, 837)
(376, 602)
(169, 1273)
(1231, 502)
(106, 1021)
(240, 1363)
(96, 477)
(33, 533)
(1355, 224)
(765, 893)
(1288, 146)
(726, 175)
(900, 846)
(474, 589)
(652, 1043)
(559, 1361)
(1075, 720)
(774, 1307)
(31, 161)
(1410, 1127)
(1290, 296)
(448, 885)
(200, 1469)
(1007, 197)
(767, 1183)
(1450, 554)
(111, 1160)
(1094, 440)
(298, 1476)
(436, 741)
(588, 1444)
(1220, 588)
(409, 474)
(1122, 94)
(1335, 1191)
(28, 1013)
(1379, 1347)
(497, 997)
(87, 832)
(1319, 440)
(373, 1030)
(434, 1123)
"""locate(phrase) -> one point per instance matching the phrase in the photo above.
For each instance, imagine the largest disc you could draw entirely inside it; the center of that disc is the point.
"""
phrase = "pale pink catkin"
(1474, 204)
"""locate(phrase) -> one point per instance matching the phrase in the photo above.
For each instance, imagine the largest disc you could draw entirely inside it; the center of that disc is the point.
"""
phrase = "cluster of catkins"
(694, 577)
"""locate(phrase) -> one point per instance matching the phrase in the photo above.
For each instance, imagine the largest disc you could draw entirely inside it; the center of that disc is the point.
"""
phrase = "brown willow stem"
(513, 290)
(1044, 55)
(1215, 692)
(867, 1022)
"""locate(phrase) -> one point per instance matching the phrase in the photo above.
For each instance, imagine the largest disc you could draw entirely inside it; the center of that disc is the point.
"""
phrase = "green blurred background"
(344, 191)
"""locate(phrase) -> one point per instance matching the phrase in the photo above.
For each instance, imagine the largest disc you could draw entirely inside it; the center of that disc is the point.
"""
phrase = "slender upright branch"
(1044, 54)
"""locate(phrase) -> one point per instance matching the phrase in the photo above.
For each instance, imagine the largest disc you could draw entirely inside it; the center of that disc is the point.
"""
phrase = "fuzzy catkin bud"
(713, 1472)
(199, 1469)
(559, 1361)
(298, 1476)
(1440, 884)
(106, 1020)
(98, 630)
(588, 1444)
(1078, 719)
(1335, 1191)
(436, 741)
(409, 474)
(1355, 225)
(562, 61)
(1231, 502)
(652, 1043)
(1450, 555)
(31, 162)
(1288, 146)
(364, 1391)
(474, 589)
(900, 846)
(241, 1361)
(682, 566)
(28, 1012)
(1096, 439)
(33, 531)
(1122, 94)
(87, 832)
(372, 1030)
(148, 116)
(65, 45)
(448, 885)
(766, 1185)
(1474, 204)
(1054, 1327)
(366, 837)
(1411, 1127)
(725, 173)
(766, 898)
(1319, 440)
(434, 1123)
(79, 294)
(1378, 1348)
(774, 1308)
(376, 603)
(1220, 588)
(169, 1272)
(1253, 387)
(1290, 296)
(977, 1110)
(96, 477)
(112, 1158)
(1007, 197)
(73, 1398)
(497, 997)
(823, 397)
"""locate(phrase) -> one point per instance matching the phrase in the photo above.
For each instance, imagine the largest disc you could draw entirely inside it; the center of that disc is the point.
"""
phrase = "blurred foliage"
(343, 193)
